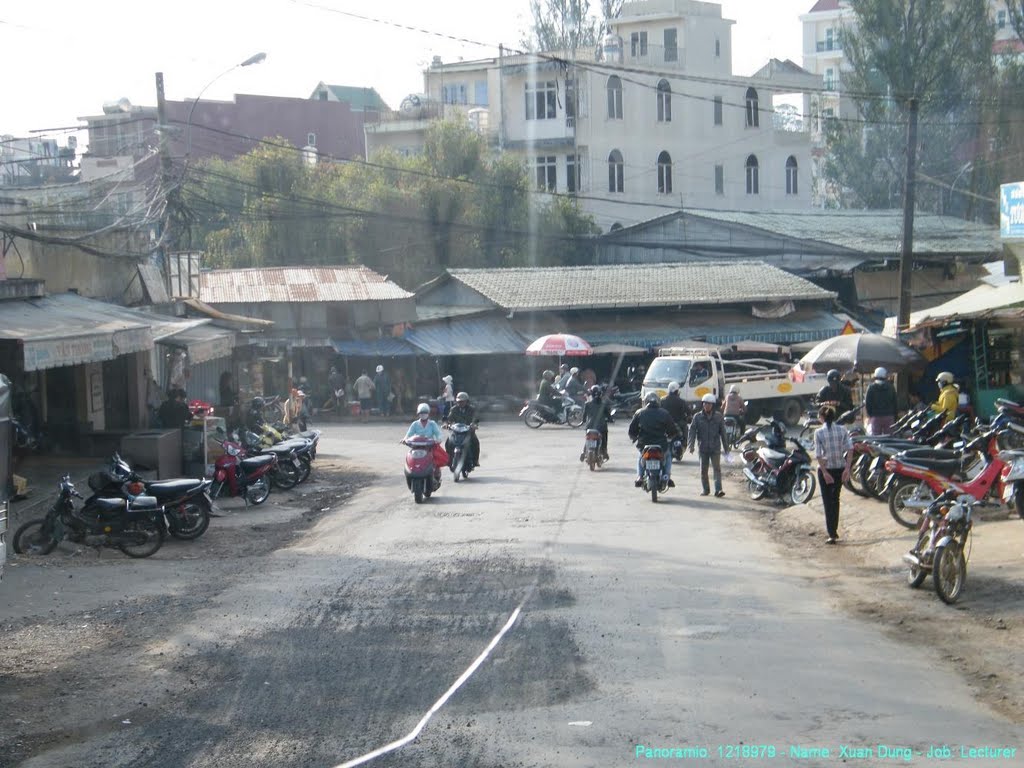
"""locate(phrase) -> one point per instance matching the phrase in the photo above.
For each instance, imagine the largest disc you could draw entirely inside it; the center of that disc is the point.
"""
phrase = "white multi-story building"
(652, 122)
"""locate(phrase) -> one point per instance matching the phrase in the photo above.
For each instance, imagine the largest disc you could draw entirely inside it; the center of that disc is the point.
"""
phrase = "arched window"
(615, 171)
(752, 175)
(664, 173)
(614, 98)
(664, 102)
(791, 176)
(752, 117)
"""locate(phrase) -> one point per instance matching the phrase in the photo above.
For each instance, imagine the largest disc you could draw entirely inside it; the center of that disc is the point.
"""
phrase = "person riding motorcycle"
(595, 416)
(949, 396)
(547, 395)
(424, 426)
(677, 408)
(652, 425)
(464, 413)
(563, 376)
(735, 407)
(836, 392)
(573, 386)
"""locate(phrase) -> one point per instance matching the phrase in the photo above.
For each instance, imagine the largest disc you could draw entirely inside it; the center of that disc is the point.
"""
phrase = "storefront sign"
(41, 354)
(1011, 211)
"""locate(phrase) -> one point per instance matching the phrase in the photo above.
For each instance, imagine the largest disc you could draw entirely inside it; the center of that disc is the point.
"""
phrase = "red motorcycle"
(915, 481)
(240, 476)
(200, 409)
(421, 474)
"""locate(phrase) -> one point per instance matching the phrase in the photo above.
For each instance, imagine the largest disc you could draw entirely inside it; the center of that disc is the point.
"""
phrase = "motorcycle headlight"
(1018, 467)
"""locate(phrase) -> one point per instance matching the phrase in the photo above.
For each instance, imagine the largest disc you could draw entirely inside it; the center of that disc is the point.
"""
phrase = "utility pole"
(907, 251)
(165, 236)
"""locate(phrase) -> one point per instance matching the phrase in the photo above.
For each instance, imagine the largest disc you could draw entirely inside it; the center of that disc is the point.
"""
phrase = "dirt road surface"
(314, 631)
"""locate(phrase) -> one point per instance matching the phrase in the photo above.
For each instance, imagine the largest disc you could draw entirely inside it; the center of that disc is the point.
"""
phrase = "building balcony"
(824, 46)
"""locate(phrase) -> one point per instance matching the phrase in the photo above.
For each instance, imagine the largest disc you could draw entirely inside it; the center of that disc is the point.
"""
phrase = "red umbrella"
(559, 345)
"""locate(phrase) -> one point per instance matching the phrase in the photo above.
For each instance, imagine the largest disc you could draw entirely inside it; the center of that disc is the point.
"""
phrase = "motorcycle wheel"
(903, 491)
(803, 488)
(858, 476)
(459, 466)
(190, 521)
(286, 476)
(652, 485)
(1018, 498)
(35, 538)
(533, 419)
(949, 572)
(574, 417)
(418, 485)
(755, 491)
(592, 460)
(258, 491)
(149, 539)
(917, 574)
(305, 468)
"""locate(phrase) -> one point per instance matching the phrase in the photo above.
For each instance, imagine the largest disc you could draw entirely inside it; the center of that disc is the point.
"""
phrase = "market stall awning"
(68, 329)
(801, 326)
(203, 343)
(383, 347)
(467, 336)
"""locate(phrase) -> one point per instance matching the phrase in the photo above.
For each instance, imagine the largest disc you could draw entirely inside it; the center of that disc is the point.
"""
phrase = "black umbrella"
(861, 352)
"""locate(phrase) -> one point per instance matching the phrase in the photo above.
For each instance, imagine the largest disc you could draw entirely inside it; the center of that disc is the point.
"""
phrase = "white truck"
(767, 385)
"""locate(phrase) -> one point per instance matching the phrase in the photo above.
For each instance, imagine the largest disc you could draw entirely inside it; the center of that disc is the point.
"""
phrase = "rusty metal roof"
(296, 284)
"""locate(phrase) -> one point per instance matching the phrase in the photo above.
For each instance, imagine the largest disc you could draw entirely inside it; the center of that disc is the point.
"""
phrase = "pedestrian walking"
(382, 388)
(833, 449)
(707, 431)
(447, 394)
(364, 391)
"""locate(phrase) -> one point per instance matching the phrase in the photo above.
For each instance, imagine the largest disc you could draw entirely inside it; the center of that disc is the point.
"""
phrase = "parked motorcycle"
(1013, 480)
(772, 470)
(535, 414)
(871, 471)
(941, 545)
(130, 524)
(293, 462)
(421, 476)
(459, 460)
(916, 480)
(186, 504)
(655, 477)
(236, 475)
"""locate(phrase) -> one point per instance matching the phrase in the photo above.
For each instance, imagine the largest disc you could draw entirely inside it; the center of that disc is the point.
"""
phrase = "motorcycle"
(293, 462)
(459, 460)
(654, 478)
(771, 470)
(942, 540)
(130, 524)
(421, 476)
(593, 450)
(187, 507)
(872, 452)
(237, 475)
(916, 480)
(1013, 480)
(535, 414)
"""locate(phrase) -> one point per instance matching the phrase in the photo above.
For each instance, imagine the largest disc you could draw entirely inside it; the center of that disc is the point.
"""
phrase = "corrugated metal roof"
(296, 284)
(638, 285)
(870, 232)
(468, 336)
(383, 347)
(983, 301)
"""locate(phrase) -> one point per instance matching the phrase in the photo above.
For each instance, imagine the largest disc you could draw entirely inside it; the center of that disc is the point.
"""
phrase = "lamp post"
(256, 58)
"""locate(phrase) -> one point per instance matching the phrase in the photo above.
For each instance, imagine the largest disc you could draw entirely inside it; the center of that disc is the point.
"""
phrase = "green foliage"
(454, 205)
(567, 25)
(935, 52)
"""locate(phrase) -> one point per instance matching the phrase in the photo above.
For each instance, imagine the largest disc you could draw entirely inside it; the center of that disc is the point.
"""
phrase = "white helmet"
(944, 378)
(673, 386)
(733, 389)
(380, 369)
(881, 373)
(709, 398)
(423, 408)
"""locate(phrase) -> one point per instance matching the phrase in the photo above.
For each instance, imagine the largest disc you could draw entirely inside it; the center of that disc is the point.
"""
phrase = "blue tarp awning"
(468, 336)
(383, 347)
(815, 326)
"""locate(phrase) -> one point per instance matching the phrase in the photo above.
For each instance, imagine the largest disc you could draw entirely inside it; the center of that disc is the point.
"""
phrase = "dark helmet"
(257, 402)
(595, 391)
(652, 399)
(548, 375)
(833, 376)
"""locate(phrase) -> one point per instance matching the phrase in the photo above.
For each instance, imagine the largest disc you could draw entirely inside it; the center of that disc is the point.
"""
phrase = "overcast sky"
(63, 59)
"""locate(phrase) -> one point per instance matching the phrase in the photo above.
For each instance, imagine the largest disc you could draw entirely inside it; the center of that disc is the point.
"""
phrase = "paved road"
(642, 625)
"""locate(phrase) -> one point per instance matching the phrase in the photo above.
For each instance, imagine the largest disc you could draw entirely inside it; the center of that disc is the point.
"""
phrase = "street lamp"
(256, 58)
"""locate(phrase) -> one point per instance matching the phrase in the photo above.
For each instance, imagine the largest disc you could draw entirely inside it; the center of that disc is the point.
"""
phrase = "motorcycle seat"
(287, 446)
(931, 454)
(947, 467)
(110, 506)
(770, 455)
(256, 462)
(177, 487)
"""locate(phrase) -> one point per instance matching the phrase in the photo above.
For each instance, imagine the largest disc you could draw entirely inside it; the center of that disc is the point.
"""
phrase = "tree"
(930, 55)
(568, 25)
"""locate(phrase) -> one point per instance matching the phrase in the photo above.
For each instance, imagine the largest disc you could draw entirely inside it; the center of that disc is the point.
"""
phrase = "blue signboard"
(1011, 211)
